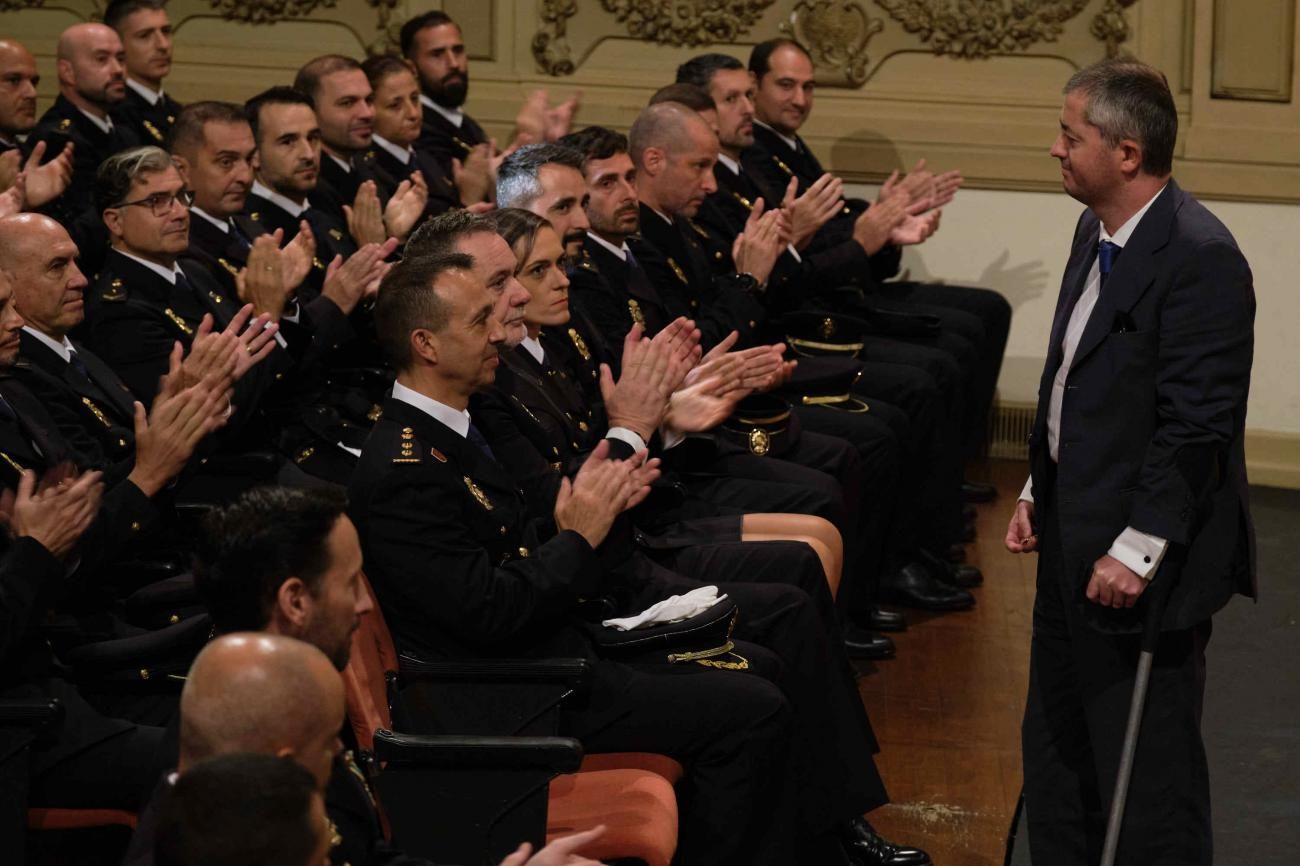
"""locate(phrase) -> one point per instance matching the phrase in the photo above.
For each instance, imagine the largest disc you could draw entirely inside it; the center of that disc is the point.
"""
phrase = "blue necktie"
(476, 438)
(1107, 253)
(78, 364)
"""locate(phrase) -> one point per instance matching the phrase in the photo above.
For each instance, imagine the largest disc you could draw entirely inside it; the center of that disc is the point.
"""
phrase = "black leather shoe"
(913, 586)
(961, 576)
(887, 620)
(862, 644)
(978, 491)
(866, 847)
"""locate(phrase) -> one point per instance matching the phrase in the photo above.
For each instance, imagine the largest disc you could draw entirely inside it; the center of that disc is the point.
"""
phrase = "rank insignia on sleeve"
(677, 269)
(407, 454)
(635, 310)
(580, 344)
(477, 493)
(178, 322)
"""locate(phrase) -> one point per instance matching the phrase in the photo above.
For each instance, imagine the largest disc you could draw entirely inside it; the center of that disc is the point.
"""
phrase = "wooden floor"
(947, 709)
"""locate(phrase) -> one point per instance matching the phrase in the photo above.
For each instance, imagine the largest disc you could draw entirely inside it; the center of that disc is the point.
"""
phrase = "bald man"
(235, 700)
(92, 80)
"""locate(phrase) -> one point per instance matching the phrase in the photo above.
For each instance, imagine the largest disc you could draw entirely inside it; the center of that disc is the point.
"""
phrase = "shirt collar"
(64, 349)
(105, 123)
(729, 163)
(457, 420)
(285, 204)
(341, 163)
(790, 141)
(535, 349)
(150, 96)
(621, 251)
(168, 275)
(1126, 231)
(403, 155)
(224, 225)
(455, 115)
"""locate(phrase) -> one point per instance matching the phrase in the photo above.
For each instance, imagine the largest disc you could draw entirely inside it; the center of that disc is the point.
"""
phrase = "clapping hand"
(56, 512)
(261, 282)
(812, 210)
(603, 489)
(406, 206)
(365, 217)
(764, 238)
(348, 283)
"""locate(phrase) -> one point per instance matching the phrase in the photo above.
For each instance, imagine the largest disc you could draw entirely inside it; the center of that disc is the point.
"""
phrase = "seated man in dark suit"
(467, 566)
(146, 34)
(350, 175)
(974, 322)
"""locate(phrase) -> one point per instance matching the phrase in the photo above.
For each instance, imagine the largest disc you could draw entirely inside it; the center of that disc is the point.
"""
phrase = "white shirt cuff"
(1028, 493)
(1140, 552)
(625, 435)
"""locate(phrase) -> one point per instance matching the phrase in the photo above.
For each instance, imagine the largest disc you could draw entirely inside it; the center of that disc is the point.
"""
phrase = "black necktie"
(476, 438)
(1107, 255)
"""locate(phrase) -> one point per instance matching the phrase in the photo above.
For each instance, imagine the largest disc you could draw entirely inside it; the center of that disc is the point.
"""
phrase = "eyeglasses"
(160, 203)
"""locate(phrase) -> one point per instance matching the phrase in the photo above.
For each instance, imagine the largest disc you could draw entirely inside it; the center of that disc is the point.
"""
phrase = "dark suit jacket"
(443, 195)
(148, 124)
(675, 260)
(1153, 420)
(135, 316)
(444, 141)
(328, 226)
(94, 412)
(773, 163)
(75, 209)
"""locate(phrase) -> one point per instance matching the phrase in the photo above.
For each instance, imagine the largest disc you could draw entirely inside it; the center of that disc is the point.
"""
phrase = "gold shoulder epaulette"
(115, 292)
(407, 453)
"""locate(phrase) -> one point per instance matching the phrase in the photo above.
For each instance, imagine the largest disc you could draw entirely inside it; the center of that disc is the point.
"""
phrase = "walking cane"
(1157, 595)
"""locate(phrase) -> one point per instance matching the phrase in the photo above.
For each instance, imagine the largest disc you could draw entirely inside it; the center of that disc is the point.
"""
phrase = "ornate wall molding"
(687, 22)
(550, 44)
(267, 11)
(1110, 26)
(979, 28)
(836, 32)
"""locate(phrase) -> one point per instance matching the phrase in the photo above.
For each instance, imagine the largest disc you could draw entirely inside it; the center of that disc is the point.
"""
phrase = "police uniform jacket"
(135, 316)
(443, 195)
(149, 123)
(93, 411)
(614, 294)
(772, 162)
(328, 226)
(445, 141)
(75, 209)
(675, 261)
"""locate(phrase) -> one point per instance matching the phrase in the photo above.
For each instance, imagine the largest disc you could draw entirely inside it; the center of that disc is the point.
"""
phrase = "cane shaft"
(1125, 773)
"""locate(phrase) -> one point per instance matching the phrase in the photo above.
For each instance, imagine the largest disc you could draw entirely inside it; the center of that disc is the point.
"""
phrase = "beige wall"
(1017, 243)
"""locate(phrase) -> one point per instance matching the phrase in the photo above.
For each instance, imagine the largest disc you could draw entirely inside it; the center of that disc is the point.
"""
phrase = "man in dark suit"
(974, 322)
(92, 80)
(1138, 483)
(146, 34)
(466, 565)
(349, 172)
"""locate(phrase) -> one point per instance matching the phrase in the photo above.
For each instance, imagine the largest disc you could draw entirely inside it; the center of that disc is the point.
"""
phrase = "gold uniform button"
(173, 619)
(503, 530)
(582, 425)
(523, 552)
(135, 526)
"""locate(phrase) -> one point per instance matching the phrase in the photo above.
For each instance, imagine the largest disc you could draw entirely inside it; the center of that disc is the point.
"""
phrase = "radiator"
(1009, 427)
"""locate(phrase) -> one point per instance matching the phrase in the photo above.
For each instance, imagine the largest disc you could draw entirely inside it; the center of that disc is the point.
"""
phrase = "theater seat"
(630, 793)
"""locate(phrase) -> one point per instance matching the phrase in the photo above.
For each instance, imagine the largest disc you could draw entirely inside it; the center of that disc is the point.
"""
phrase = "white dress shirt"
(404, 155)
(455, 115)
(150, 96)
(620, 251)
(456, 419)
(64, 350)
(1139, 551)
(288, 205)
(224, 225)
(105, 123)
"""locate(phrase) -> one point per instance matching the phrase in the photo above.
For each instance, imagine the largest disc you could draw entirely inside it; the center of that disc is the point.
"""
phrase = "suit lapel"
(1134, 271)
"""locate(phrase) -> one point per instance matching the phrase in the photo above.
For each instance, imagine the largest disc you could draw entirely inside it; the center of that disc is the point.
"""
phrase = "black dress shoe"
(866, 847)
(914, 586)
(978, 491)
(862, 644)
(887, 620)
(961, 576)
